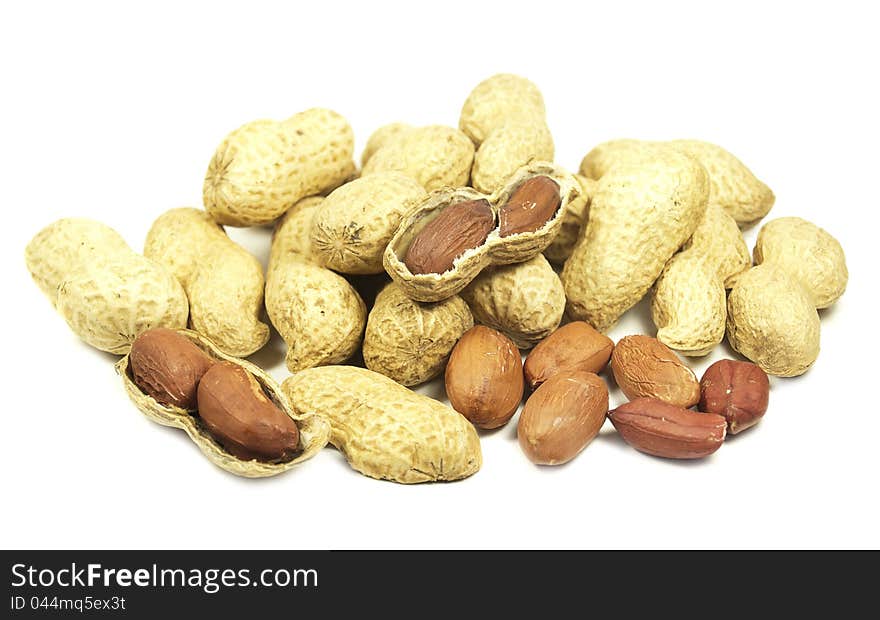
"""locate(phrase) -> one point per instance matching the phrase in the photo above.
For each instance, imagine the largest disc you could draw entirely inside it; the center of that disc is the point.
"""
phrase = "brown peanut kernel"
(737, 390)
(458, 228)
(241, 418)
(530, 206)
(168, 367)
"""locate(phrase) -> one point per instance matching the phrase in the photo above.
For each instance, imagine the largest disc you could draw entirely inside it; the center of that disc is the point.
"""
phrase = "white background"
(112, 112)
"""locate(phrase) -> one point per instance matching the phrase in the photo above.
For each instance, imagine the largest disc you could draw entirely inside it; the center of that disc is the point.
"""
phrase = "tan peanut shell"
(525, 301)
(512, 145)
(223, 282)
(314, 431)
(316, 311)
(808, 253)
(733, 187)
(435, 156)
(573, 220)
(381, 137)
(499, 99)
(689, 306)
(410, 341)
(772, 320)
(385, 430)
(355, 222)
(107, 293)
(264, 167)
(496, 250)
(641, 215)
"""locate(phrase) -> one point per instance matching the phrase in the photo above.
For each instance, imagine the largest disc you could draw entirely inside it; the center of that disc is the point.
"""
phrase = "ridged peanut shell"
(382, 136)
(772, 320)
(435, 156)
(808, 253)
(385, 430)
(410, 341)
(640, 216)
(317, 312)
(354, 224)
(512, 145)
(689, 305)
(314, 431)
(525, 301)
(223, 281)
(733, 187)
(496, 100)
(264, 167)
(496, 250)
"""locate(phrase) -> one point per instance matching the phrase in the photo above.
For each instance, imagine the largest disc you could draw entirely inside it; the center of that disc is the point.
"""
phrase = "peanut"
(562, 417)
(168, 367)
(223, 282)
(624, 246)
(733, 187)
(575, 347)
(457, 229)
(513, 144)
(661, 429)
(106, 292)
(739, 391)
(237, 413)
(530, 206)
(525, 301)
(808, 253)
(264, 167)
(689, 306)
(410, 341)
(497, 100)
(385, 430)
(644, 366)
(484, 379)
(382, 136)
(575, 217)
(435, 156)
(772, 320)
(316, 311)
(354, 223)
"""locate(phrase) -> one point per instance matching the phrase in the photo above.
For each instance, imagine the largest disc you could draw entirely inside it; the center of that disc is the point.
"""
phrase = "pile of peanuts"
(483, 248)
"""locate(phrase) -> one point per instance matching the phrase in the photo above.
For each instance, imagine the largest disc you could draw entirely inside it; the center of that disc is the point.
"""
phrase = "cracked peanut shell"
(385, 430)
(496, 250)
(314, 431)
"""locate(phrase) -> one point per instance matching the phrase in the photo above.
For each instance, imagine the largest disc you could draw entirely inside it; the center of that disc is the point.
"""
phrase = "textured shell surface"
(574, 218)
(640, 216)
(223, 282)
(497, 99)
(525, 301)
(67, 245)
(771, 320)
(109, 303)
(314, 431)
(385, 430)
(316, 311)
(509, 147)
(808, 253)
(435, 156)
(410, 341)
(264, 167)
(496, 250)
(382, 136)
(733, 187)
(689, 306)
(356, 221)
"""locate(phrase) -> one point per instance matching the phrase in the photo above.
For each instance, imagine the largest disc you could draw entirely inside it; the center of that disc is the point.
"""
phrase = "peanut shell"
(314, 431)
(495, 251)
(497, 100)
(575, 217)
(514, 144)
(410, 341)
(385, 430)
